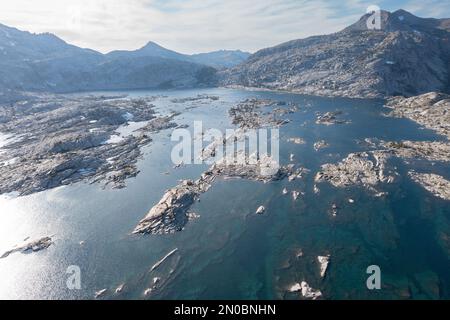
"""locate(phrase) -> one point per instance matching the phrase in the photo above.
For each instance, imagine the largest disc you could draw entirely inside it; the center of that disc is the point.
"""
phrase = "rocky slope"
(408, 56)
(221, 59)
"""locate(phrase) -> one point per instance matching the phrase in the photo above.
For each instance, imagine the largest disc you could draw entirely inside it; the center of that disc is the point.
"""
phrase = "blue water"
(229, 252)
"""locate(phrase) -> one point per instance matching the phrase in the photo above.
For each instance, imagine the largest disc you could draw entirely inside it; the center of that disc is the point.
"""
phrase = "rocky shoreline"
(60, 140)
(431, 110)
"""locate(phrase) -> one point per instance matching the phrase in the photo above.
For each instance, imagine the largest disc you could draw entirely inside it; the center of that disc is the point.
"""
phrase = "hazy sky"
(197, 25)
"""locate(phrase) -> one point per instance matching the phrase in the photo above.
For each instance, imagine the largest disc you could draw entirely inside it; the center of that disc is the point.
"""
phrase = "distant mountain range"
(44, 62)
(408, 56)
(218, 59)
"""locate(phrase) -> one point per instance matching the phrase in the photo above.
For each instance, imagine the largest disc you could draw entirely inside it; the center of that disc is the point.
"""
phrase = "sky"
(198, 25)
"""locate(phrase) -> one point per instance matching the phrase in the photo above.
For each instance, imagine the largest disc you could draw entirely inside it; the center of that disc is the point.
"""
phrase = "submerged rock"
(167, 256)
(319, 145)
(192, 216)
(316, 189)
(296, 140)
(297, 174)
(334, 209)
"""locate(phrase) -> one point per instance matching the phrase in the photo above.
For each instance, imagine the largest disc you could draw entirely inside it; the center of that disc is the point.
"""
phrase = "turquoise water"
(229, 252)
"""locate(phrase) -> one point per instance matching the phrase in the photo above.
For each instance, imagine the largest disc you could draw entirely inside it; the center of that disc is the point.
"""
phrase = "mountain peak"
(151, 45)
(399, 20)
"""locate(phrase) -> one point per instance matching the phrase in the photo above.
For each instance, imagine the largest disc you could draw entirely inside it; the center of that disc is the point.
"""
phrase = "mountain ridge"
(218, 59)
(44, 62)
(408, 56)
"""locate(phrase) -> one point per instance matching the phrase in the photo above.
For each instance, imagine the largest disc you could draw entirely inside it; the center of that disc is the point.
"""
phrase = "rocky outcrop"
(32, 246)
(308, 292)
(171, 213)
(355, 62)
(330, 118)
(323, 261)
(367, 169)
(100, 293)
(250, 114)
(319, 145)
(260, 210)
(428, 150)
(296, 140)
(437, 185)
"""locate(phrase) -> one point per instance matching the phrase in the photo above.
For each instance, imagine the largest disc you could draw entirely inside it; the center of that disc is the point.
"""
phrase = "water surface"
(229, 252)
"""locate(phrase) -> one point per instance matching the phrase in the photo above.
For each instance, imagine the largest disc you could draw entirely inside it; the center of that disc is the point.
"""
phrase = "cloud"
(192, 26)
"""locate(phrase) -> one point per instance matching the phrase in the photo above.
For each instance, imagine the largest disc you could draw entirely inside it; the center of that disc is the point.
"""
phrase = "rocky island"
(32, 246)
(367, 169)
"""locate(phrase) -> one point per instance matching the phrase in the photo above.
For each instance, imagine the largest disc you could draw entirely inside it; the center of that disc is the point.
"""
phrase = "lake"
(229, 252)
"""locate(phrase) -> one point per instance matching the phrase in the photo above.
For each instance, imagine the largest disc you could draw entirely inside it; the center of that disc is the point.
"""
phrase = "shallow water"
(229, 252)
